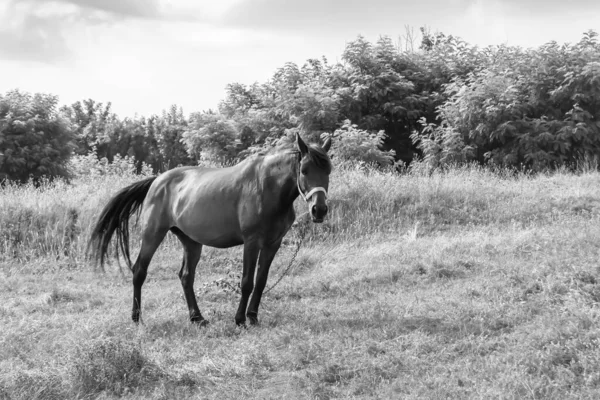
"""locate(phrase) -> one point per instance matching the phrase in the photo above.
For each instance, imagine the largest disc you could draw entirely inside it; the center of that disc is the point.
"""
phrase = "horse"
(249, 204)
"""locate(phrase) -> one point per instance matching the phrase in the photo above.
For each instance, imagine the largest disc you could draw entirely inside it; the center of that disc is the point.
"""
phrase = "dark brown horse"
(250, 203)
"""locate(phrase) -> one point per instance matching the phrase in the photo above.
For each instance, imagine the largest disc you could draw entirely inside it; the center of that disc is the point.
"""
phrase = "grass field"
(459, 284)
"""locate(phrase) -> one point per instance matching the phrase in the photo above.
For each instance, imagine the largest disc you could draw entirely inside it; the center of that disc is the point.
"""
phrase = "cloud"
(539, 8)
(31, 36)
(118, 8)
(36, 30)
(125, 8)
(316, 17)
(308, 15)
(35, 39)
(481, 22)
(42, 30)
(159, 10)
(206, 11)
(528, 23)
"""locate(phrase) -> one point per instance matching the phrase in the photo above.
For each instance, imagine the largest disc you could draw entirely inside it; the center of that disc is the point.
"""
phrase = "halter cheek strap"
(310, 194)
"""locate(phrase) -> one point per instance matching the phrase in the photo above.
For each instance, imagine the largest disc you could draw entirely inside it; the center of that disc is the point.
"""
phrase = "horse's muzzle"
(318, 212)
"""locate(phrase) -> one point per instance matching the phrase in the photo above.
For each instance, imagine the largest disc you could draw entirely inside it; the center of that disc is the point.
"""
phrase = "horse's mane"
(315, 153)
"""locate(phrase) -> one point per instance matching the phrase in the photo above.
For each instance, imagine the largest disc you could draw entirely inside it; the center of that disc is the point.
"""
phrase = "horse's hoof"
(200, 321)
(253, 320)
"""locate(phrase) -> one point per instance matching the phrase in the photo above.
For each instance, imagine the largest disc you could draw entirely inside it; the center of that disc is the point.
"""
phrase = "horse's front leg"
(267, 254)
(251, 251)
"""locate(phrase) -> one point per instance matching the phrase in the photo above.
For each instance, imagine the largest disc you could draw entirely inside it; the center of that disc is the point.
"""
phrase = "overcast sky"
(144, 55)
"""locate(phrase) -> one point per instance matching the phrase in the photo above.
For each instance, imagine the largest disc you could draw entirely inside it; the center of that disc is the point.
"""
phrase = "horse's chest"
(276, 227)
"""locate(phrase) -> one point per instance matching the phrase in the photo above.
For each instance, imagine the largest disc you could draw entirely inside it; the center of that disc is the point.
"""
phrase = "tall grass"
(54, 220)
(464, 283)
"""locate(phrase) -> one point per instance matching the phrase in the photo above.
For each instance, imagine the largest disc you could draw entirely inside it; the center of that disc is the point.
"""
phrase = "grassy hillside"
(458, 284)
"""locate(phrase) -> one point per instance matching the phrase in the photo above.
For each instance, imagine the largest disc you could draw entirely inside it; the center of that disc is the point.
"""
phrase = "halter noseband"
(310, 194)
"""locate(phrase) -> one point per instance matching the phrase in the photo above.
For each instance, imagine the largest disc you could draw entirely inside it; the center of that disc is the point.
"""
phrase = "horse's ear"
(327, 144)
(301, 145)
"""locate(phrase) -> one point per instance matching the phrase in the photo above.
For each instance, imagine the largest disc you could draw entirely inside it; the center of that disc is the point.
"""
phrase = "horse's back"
(204, 203)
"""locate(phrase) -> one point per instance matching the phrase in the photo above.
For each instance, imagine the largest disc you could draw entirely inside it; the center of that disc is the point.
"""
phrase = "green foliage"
(35, 140)
(293, 98)
(442, 145)
(377, 90)
(169, 134)
(352, 144)
(536, 108)
(313, 105)
(155, 141)
(377, 87)
(448, 102)
(95, 126)
(91, 165)
(211, 138)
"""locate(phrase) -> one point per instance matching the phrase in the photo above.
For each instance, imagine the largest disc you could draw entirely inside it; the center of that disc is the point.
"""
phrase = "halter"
(310, 194)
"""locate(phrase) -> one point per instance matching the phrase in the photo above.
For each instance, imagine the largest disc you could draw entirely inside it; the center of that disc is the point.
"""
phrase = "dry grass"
(463, 284)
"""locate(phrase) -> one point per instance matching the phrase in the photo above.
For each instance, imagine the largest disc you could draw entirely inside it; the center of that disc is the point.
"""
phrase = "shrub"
(536, 108)
(353, 144)
(35, 140)
(212, 138)
(91, 165)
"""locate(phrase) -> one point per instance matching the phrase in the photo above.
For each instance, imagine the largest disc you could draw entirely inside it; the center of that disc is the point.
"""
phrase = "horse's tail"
(115, 218)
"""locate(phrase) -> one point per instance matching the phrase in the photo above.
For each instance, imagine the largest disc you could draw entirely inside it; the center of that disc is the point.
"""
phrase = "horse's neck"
(283, 168)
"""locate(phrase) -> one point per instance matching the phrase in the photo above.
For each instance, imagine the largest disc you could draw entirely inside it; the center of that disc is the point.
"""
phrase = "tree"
(353, 144)
(35, 140)
(212, 137)
(534, 108)
(94, 125)
(169, 131)
(376, 95)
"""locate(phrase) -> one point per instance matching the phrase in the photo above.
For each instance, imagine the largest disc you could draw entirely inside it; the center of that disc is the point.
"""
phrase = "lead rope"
(302, 235)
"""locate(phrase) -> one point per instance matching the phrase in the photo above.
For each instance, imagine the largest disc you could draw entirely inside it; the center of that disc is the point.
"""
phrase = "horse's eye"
(304, 171)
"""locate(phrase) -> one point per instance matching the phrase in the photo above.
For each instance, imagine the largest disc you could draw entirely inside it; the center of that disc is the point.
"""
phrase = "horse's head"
(313, 176)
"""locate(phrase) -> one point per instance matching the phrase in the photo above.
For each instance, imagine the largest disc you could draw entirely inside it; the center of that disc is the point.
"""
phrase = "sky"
(145, 55)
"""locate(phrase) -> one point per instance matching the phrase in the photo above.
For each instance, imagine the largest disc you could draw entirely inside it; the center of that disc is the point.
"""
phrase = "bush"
(353, 144)
(212, 138)
(35, 141)
(536, 109)
(90, 165)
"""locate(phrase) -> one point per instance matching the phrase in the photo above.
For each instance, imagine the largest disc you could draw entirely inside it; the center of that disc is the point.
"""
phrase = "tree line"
(445, 102)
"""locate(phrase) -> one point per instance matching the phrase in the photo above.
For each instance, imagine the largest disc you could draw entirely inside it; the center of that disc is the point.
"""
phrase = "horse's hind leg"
(192, 251)
(150, 241)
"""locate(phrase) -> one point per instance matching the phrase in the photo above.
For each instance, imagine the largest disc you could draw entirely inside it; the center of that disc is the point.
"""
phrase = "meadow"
(463, 283)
